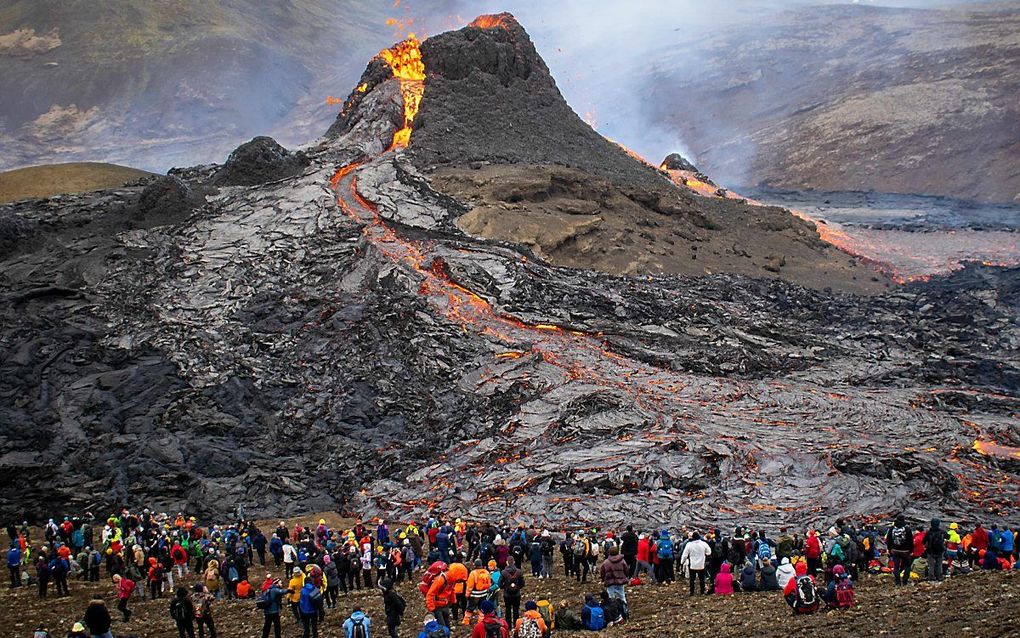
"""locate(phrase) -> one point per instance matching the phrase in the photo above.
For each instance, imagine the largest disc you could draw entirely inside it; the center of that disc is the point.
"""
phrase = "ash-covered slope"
(490, 99)
(315, 331)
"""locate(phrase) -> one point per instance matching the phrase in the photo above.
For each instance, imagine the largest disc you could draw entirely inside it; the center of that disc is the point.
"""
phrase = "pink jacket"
(724, 581)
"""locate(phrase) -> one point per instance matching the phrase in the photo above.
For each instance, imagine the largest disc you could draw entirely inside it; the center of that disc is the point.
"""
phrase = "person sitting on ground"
(769, 580)
(748, 581)
(840, 591)
(489, 620)
(531, 624)
(614, 609)
(566, 618)
(358, 625)
(724, 581)
(433, 629)
(784, 573)
(801, 594)
(593, 617)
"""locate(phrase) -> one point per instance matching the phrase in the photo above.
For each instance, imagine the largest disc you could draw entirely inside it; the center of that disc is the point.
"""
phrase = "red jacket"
(644, 549)
(979, 539)
(479, 630)
(918, 544)
(813, 547)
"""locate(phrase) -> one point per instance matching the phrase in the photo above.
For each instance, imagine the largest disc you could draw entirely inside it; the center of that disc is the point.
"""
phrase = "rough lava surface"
(333, 339)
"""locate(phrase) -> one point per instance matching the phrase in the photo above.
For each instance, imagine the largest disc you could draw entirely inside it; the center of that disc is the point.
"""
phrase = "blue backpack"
(596, 619)
(665, 549)
(764, 551)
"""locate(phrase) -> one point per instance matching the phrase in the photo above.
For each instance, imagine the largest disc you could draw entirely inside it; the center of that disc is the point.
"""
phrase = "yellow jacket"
(295, 585)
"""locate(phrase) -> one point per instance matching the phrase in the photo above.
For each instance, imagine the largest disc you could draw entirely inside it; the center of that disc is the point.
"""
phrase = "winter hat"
(953, 526)
(326, 559)
(297, 570)
(487, 606)
(838, 570)
(531, 606)
(78, 627)
(429, 618)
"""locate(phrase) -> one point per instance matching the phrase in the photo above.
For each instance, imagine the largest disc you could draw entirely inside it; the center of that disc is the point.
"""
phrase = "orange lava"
(492, 21)
(404, 59)
(991, 448)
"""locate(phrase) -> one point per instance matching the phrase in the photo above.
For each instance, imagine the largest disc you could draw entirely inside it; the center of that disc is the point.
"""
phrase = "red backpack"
(430, 574)
(844, 594)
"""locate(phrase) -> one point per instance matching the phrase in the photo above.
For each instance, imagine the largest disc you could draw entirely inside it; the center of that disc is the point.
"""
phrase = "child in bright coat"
(724, 581)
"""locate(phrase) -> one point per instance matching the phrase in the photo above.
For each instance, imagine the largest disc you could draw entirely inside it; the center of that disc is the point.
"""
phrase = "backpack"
(580, 548)
(545, 609)
(901, 540)
(807, 596)
(263, 602)
(232, 575)
(178, 611)
(665, 548)
(844, 594)
(430, 574)
(596, 619)
(493, 629)
(764, 552)
(837, 552)
(358, 629)
(438, 633)
(529, 629)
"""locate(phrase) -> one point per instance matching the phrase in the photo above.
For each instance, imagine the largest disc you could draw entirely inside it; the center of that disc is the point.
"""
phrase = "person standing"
(614, 573)
(125, 587)
(901, 548)
(14, 564)
(695, 558)
(935, 549)
(272, 605)
(203, 611)
(393, 606)
(182, 612)
(309, 603)
(511, 581)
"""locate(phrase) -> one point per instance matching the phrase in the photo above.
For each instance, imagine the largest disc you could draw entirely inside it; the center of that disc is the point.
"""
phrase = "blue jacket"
(1006, 540)
(307, 606)
(14, 557)
(275, 598)
(276, 547)
(431, 627)
(357, 617)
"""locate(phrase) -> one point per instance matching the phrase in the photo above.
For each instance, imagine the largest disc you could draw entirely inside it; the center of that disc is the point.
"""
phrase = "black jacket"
(394, 605)
(97, 618)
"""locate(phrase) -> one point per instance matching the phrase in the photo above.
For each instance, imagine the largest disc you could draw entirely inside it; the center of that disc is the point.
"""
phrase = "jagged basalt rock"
(168, 197)
(258, 161)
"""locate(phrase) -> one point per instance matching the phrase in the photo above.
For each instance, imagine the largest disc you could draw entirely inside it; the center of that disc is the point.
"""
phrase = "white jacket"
(785, 572)
(695, 554)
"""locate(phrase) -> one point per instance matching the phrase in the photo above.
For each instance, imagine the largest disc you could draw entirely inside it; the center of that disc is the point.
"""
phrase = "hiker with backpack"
(901, 548)
(490, 626)
(839, 594)
(309, 606)
(479, 583)
(593, 617)
(813, 552)
(664, 553)
(511, 581)
(548, 551)
(432, 629)
(581, 557)
(271, 604)
(202, 600)
(182, 612)
(394, 606)
(358, 625)
(125, 586)
(531, 624)
(801, 595)
(935, 549)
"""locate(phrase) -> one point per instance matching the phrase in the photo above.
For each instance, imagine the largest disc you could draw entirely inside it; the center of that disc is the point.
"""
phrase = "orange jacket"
(437, 596)
(479, 580)
(531, 614)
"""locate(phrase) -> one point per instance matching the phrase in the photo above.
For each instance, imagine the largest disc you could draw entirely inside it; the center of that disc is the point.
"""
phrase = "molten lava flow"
(499, 20)
(991, 448)
(404, 59)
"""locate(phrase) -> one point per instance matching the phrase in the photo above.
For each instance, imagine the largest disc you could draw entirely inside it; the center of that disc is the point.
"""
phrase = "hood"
(616, 559)
(431, 626)
(936, 523)
(725, 568)
(785, 561)
(360, 616)
(748, 569)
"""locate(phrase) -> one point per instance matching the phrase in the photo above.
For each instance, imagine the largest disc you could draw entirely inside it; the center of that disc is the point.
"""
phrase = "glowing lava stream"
(566, 349)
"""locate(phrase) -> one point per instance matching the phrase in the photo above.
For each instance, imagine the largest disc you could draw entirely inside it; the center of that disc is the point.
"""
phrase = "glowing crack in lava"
(991, 448)
(492, 21)
(404, 59)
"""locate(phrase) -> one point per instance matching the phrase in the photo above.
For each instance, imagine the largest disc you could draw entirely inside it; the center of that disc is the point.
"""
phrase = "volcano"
(464, 298)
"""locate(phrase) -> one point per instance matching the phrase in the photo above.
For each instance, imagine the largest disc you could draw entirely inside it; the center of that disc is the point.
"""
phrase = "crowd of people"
(469, 574)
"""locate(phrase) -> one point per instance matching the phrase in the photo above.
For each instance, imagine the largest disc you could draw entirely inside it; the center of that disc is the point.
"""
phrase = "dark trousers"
(272, 620)
(296, 611)
(122, 606)
(15, 575)
(700, 574)
(631, 561)
(581, 569)
(60, 582)
(901, 565)
(262, 556)
(185, 628)
(330, 596)
(568, 565)
(513, 609)
(391, 629)
(354, 579)
(367, 575)
(442, 615)
(42, 588)
(203, 622)
(156, 589)
(310, 622)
